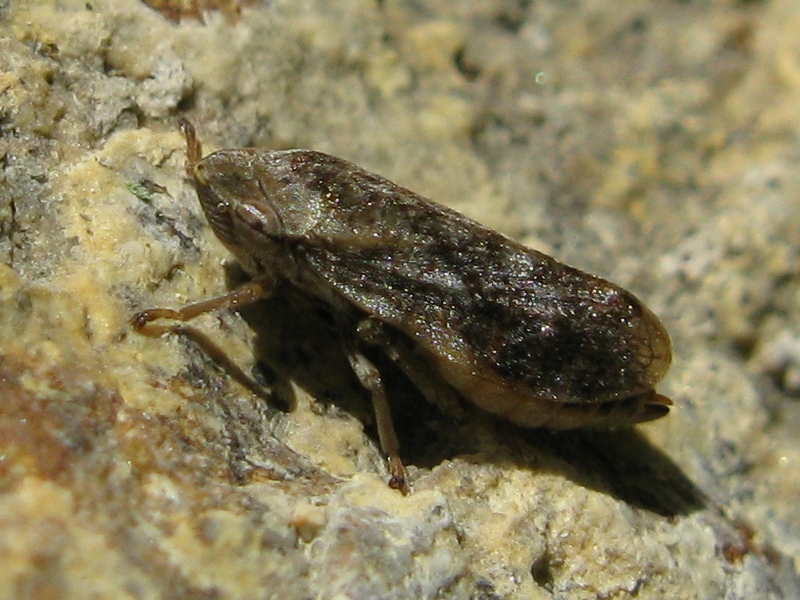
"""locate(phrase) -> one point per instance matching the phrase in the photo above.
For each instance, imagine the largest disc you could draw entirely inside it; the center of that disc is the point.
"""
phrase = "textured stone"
(651, 143)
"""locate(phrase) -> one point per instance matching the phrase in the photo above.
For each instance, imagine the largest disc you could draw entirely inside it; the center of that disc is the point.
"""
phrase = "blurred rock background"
(653, 143)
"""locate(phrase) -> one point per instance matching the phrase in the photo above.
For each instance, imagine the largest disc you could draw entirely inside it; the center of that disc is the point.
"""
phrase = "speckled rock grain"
(652, 143)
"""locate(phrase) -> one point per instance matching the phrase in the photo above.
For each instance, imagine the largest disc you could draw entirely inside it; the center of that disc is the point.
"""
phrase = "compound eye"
(259, 218)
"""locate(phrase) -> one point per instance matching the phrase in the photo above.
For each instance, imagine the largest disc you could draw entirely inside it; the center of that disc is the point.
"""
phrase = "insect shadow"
(621, 463)
(296, 340)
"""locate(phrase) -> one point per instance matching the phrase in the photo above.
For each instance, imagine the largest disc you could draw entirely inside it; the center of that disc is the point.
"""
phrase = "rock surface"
(652, 143)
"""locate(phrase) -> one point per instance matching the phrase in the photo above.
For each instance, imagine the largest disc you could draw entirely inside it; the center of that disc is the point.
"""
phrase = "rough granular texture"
(651, 143)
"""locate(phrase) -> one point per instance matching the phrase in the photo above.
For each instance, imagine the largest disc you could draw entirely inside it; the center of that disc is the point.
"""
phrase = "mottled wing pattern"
(464, 291)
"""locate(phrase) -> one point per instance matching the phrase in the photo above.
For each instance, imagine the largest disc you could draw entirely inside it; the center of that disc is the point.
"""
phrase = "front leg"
(250, 292)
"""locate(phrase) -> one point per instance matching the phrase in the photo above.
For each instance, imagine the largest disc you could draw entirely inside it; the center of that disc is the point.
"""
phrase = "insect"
(176, 10)
(456, 305)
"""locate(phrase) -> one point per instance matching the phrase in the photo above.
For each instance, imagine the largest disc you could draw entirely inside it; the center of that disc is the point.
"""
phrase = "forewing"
(471, 295)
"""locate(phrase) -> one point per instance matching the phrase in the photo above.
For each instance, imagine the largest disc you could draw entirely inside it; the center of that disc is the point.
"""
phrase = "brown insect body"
(511, 329)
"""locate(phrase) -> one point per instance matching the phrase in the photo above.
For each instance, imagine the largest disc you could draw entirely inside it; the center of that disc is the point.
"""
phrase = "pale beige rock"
(652, 143)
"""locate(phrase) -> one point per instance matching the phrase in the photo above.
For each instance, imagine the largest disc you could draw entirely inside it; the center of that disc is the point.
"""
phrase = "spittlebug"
(454, 304)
